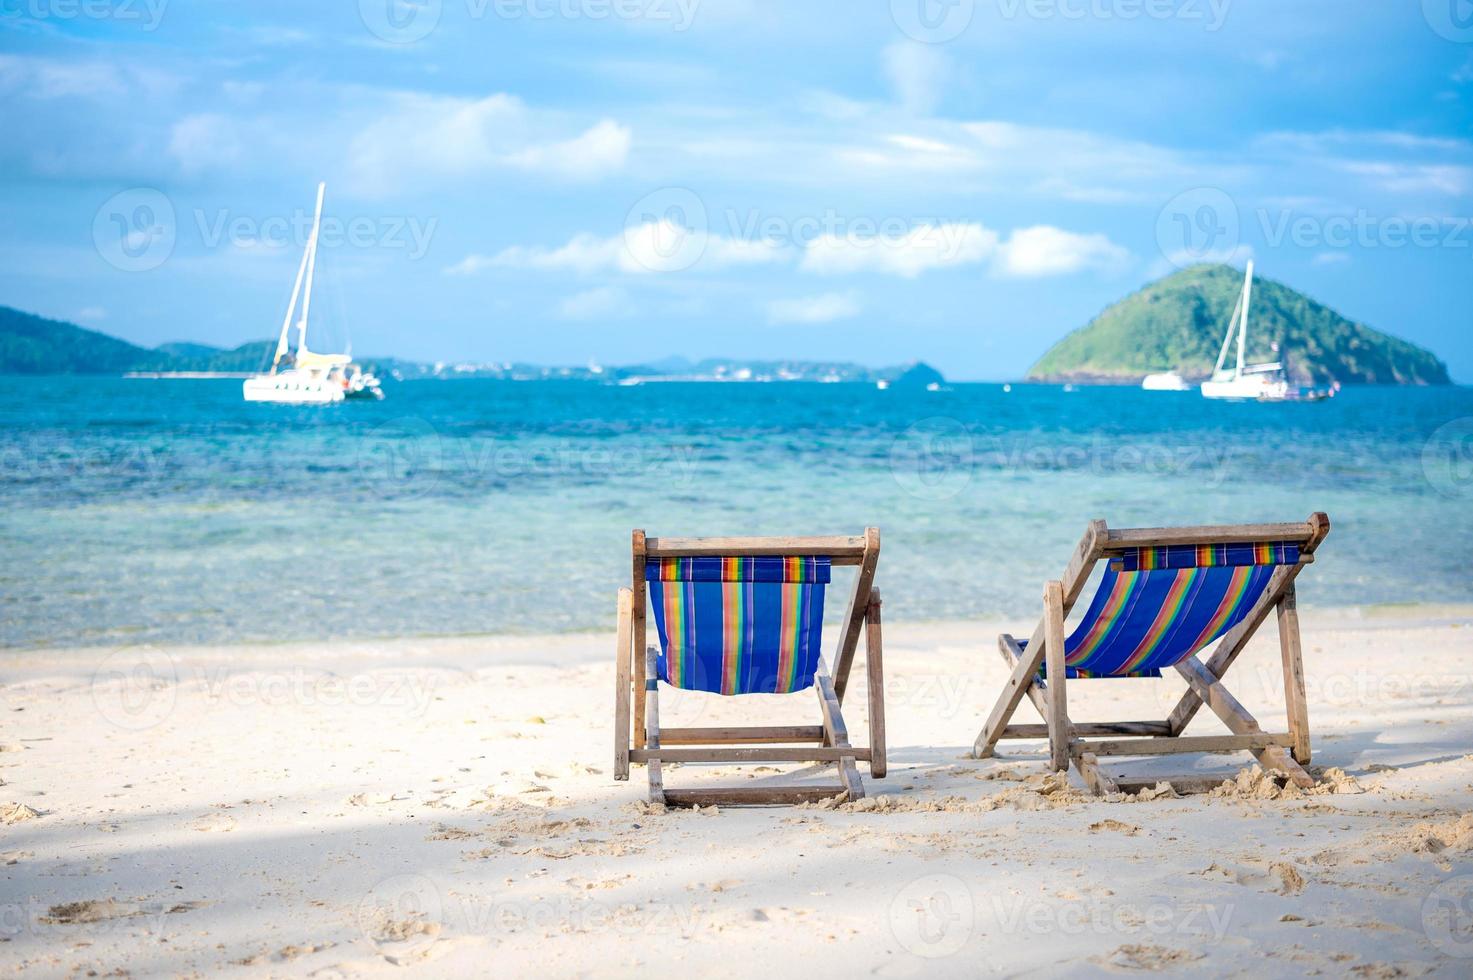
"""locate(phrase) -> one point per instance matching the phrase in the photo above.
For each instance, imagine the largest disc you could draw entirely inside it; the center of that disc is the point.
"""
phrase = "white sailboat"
(1260, 382)
(305, 377)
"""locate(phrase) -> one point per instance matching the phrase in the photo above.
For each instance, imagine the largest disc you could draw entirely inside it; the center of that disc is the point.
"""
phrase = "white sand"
(340, 810)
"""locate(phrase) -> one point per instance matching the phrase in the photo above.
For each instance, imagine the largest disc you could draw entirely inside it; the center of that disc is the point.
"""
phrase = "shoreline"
(1378, 616)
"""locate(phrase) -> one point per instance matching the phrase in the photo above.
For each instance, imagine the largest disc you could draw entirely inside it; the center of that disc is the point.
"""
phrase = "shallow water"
(172, 511)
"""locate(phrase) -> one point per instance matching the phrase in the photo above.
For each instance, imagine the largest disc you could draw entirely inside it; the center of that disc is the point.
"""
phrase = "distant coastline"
(34, 345)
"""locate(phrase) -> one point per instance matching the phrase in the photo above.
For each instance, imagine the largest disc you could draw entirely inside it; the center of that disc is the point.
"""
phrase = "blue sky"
(624, 180)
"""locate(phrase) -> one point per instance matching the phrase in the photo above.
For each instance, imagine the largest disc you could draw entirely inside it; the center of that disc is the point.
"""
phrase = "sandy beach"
(355, 809)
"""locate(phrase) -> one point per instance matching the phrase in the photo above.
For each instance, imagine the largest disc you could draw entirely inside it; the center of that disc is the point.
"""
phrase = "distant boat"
(305, 377)
(1165, 381)
(882, 384)
(1256, 382)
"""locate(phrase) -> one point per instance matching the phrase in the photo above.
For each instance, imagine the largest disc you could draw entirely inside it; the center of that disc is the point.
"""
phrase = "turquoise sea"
(171, 511)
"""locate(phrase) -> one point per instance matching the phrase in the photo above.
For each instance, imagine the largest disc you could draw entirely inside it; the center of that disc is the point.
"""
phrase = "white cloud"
(1330, 258)
(91, 314)
(822, 308)
(1044, 250)
(1401, 178)
(655, 246)
(423, 135)
(603, 148)
(923, 247)
(204, 142)
(603, 301)
(663, 246)
(917, 73)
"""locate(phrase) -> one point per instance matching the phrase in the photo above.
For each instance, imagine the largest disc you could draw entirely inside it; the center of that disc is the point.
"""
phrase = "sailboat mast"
(1243, 323)
(311, 267)
(291, 307)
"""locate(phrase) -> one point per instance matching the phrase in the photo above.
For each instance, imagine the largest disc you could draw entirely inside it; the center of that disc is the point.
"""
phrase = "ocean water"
(173, 512)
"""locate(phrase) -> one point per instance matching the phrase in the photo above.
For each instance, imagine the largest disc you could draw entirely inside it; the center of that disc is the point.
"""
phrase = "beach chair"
(1166, 594)
(744, 616)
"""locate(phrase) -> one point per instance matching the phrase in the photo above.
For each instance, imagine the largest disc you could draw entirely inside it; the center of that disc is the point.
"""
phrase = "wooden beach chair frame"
(1071, 741)
(638, 736)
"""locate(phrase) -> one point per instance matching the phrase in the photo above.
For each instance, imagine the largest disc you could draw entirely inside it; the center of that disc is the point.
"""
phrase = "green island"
(1177, 324)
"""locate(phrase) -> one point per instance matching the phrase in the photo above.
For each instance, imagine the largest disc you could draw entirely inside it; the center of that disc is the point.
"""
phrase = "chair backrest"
(739, 625)
(1159, 604)
(745, 615)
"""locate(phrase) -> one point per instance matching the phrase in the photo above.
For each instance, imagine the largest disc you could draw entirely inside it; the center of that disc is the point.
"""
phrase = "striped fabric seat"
(738, 625)
(1155, 607)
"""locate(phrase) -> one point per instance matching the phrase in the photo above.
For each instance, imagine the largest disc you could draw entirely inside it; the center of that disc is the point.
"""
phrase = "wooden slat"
(1296, 704)
(1058, 710)
(623, 692)
(755, 734)
(1155, 537)
(837, 731)
(752, 795)
(874, 663)
(1182, 784)
(854, 615)
(638, 641)
(652, 729)
(1173, 745)
(840, 549)
(1091, 728)
(1222, 703)
(813, 753)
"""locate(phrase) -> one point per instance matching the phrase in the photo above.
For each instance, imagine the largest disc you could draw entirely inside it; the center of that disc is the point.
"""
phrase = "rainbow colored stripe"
(749, 568)
(739, 625)
(1206, 556)
(1180, 599)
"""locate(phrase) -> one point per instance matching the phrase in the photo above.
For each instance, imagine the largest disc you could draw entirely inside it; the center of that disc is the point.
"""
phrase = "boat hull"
(287, 389)
(1247, 388)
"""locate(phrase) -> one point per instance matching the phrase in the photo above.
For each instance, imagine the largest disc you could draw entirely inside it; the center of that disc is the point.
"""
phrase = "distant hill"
(34, 345)
(1177, 323)
(31, 344)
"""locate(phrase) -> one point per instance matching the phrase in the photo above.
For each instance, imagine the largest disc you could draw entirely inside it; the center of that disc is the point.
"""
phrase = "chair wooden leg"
(837, 731)
(623, 693)
(1219, 700)
(1058, 706)
(652, 727)
(1024, 674)
(1295, 701)
(875, 681)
